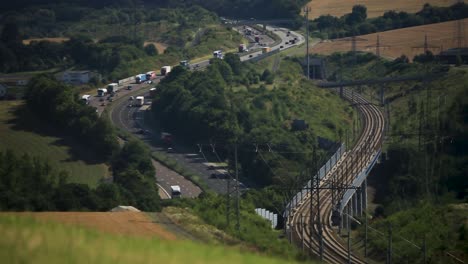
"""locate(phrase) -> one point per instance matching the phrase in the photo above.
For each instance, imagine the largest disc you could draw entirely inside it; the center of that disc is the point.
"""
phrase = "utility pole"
(319, 222)
(424, 249)
(365, 237)
(306, 11)
(311, 216)
(237, 193)
(389, 250)
(349, 233)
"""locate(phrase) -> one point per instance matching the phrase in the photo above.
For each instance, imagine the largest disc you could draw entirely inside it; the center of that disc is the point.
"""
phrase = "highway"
(352, 162)
(127, 118)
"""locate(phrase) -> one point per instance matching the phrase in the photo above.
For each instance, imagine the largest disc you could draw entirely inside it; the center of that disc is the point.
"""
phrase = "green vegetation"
(255, 231)
(58, 104)
(232, 102)
(28, 240)
(23, 133)
(356, 23)
(422, 181)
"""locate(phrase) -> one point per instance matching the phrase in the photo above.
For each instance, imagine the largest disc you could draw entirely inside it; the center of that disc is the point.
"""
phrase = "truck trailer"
(175, 191)
(85, 98)
(165, 70)
(140, 78)
(150, 75)
(218, 54)
(140, 101)
(101, 92)
(112, 87)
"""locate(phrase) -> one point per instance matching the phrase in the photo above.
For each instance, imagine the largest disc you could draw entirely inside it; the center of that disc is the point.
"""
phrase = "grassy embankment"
(22, 133)
(28, 240)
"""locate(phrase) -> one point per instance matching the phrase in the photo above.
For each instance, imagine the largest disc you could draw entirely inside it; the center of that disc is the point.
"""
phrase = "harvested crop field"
(375, 8)
(122, 223)
(59, 40)
(394, 43)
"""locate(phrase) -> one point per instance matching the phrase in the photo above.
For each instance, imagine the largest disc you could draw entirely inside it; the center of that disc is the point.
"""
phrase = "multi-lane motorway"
(128, 118)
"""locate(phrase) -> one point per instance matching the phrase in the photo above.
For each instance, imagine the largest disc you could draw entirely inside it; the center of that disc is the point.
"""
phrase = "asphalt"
(130, 119)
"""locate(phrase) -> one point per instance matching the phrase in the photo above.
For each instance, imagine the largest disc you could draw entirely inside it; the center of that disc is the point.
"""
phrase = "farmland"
(394, 43)
(24, 134)
(121, 223)
(28, 240)
(375, 8)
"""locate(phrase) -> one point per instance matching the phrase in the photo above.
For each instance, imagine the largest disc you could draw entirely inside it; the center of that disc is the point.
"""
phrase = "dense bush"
(59, 105)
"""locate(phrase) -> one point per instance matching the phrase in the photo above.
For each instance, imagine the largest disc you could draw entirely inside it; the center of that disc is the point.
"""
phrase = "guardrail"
(359, 180)
(297, 199)
(126, 80)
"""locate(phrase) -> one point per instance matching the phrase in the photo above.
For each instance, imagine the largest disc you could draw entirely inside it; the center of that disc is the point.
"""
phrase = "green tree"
(151, 50)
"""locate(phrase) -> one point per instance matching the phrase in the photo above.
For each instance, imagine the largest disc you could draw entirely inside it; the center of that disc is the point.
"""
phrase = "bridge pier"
(364, 195)
(382, 95)
(355, 205)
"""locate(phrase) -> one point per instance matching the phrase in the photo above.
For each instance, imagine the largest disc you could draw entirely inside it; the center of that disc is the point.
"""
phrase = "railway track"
(350, 165)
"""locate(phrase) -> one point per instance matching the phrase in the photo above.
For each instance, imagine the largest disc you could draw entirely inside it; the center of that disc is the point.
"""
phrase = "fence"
(297, 199)
(273, 218)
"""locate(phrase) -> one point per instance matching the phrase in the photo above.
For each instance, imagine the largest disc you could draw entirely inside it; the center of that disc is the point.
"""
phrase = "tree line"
(357, 23)
(31, 183)
(202, 107)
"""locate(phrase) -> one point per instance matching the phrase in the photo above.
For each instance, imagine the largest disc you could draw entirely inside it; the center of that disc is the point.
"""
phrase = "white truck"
(175, 191)
(101, 92)
(140, 101)
(85, 98)
(112, 87)
(218, 54)
(165, 70)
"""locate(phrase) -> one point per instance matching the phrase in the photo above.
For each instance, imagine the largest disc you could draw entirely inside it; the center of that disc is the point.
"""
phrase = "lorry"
(218, 54)
(150, 75)
(140, 78)
(185, 64)
(175, 191)
(165, 70)
(266, 50)
(112, 88)
(85, 98)
(101, 92)
(242, 48)
(140, 101)
(152, 92)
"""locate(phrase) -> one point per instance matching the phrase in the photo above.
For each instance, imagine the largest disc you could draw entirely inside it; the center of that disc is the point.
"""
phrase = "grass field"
(24, 134)
(26, 240)
(401, 41)
(374, 7)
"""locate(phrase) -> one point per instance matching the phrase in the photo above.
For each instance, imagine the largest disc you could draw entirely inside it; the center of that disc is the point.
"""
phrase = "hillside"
(25, 134)
(394, 43)
(25, 240)
(375, 8)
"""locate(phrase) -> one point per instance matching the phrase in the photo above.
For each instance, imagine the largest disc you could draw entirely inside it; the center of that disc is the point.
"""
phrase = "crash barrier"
(297, 199)
(270, 216)
(126, 80)
(264, 55)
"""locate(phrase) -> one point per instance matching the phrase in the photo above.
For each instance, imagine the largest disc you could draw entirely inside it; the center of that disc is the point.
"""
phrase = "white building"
(77, 77)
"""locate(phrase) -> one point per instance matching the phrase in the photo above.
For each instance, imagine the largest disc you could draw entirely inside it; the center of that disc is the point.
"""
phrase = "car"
(250, 56)
(149, 82)
(170, 150)
(129, 87)
(130, 105)
(281, 47)
(131, 98)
